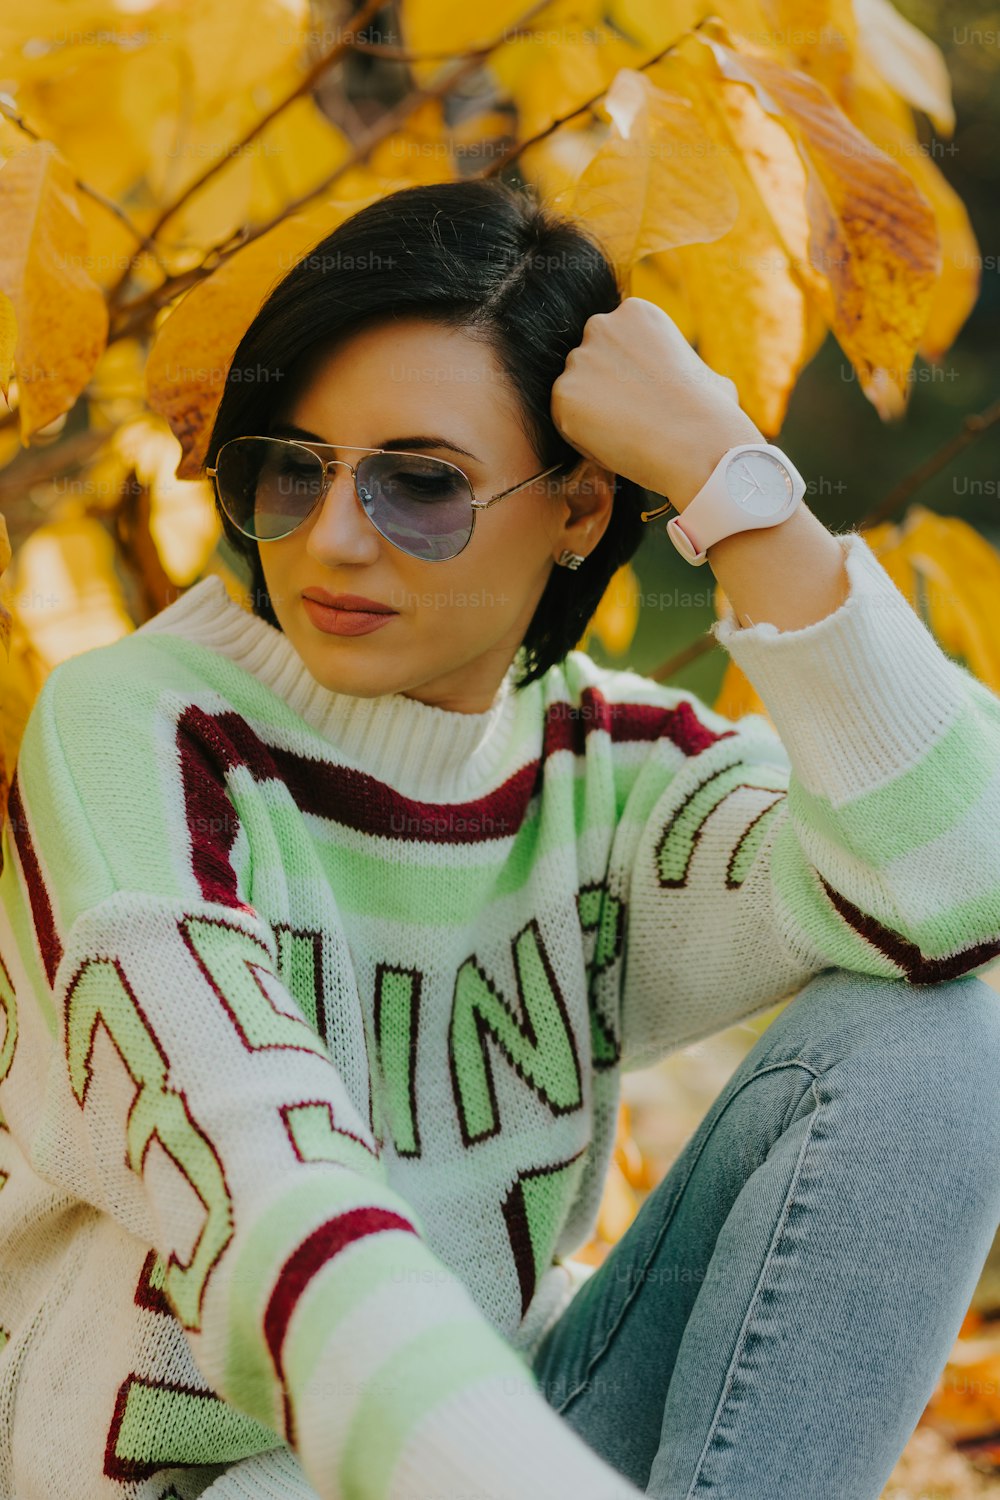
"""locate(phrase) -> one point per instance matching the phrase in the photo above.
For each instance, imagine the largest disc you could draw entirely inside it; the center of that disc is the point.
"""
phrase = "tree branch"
(518, 146)
(357, 22)
(134, 314)
(973, 427)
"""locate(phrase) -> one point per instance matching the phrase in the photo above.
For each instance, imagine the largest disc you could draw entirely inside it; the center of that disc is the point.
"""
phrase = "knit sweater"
(314, 1010)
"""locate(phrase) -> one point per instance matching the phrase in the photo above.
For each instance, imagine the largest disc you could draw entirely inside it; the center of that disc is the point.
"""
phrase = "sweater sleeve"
(194, 1103)
(861, 831)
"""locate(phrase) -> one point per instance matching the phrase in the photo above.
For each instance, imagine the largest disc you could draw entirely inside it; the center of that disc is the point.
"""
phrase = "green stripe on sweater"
(286, 1220)
(439, 1363)
(917, 805)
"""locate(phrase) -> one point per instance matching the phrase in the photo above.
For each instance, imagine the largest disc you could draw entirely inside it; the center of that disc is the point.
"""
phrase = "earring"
(568, 559)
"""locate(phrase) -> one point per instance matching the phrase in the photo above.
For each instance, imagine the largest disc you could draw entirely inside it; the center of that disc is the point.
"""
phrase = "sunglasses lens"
(268, 487)
(421, 505)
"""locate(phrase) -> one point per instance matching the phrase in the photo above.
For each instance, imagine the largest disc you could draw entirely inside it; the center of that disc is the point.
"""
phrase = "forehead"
(409, 350)
(411, 370)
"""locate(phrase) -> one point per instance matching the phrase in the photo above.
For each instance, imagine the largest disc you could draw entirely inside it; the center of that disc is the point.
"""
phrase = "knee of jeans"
(953, 1028)
(954, 1019)
(968, 1014)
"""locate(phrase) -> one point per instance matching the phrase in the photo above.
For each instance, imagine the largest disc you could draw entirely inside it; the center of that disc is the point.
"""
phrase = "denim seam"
(790, 1062)
(742, 1337)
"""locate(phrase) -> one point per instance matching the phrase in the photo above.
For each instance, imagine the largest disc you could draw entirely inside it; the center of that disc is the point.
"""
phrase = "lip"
(345, 621)
(349, 601)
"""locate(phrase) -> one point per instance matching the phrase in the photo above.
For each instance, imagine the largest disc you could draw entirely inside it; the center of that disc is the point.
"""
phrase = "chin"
(356, 678)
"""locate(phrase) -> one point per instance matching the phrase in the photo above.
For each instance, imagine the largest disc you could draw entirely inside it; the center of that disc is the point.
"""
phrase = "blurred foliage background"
(104, 534)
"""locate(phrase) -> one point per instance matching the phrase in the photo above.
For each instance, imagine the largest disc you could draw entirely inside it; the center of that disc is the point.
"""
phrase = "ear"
(588, 494)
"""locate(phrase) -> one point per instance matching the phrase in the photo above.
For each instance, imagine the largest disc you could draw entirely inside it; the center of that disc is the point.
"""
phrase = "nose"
(342, 530)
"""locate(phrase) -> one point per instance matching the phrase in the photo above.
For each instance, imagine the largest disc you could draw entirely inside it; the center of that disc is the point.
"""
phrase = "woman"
(328, 931)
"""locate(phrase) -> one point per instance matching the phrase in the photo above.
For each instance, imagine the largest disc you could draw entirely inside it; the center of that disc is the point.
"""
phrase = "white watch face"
(759, 483)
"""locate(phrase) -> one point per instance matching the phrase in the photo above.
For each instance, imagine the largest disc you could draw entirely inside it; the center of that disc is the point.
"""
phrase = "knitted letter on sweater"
(313, 1011)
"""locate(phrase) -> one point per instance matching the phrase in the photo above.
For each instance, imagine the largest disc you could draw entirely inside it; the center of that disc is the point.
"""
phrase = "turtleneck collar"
(426, 752)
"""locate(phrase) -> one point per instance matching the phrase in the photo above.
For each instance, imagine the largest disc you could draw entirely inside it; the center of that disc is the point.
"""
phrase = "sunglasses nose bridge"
(329, 464)
(336, 463)
(325, 517)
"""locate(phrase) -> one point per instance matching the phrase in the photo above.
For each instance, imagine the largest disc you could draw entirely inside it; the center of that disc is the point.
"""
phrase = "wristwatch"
(753, 485)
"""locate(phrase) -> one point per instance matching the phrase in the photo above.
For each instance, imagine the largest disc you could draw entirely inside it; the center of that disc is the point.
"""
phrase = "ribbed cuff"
(858, 696)
(277, 1475)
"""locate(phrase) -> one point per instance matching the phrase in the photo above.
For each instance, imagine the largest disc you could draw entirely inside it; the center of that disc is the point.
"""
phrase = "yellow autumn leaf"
(453, 27)
(117, 387)
(114, 148)
(960, 576)
(884, 542)
(652, 24)
(194, 345)
(291, 156)
(62, 319)
(59, 82)
(566, 29)
(5, 554)
(887, 121)
(62, 596)
(874, 252)
(618, 1207)
(818, 36)
(940, 559)
(737, 695)
(67, 597)
(183, 521)
(553, 165)
(50, 37)
(569, 55)
(8, 342)
(659, 279)
(420, 152)
(907, 59)
(657, 182)
(22, 674)
(181, 158)
(615, 620)
(223, 50)
(746, 302)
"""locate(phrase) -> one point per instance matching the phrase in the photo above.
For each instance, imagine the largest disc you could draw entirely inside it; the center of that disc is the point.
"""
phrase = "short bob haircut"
(479, 255)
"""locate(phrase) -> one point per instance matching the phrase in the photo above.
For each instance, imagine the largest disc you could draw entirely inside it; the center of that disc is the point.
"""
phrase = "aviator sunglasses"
(426, 507)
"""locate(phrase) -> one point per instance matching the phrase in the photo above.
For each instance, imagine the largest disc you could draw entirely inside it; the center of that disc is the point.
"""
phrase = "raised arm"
(861, 832)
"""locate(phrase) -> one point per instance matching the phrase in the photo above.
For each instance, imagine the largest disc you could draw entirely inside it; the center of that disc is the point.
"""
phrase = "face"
(458, 623)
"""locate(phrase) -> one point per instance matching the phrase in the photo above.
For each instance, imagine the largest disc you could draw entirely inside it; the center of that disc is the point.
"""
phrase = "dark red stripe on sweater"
(917, 966)
(315, 1252)
(213, 744)
(41, 908)
(206, 753)
(567, 726)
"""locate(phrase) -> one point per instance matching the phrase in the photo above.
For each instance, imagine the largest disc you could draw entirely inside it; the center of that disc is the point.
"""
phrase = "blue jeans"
(774, 1320)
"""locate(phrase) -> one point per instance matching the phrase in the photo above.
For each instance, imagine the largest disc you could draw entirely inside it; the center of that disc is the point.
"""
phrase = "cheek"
(464, 602)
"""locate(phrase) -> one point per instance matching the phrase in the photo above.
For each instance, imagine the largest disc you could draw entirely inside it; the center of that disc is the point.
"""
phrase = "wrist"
(684, 483)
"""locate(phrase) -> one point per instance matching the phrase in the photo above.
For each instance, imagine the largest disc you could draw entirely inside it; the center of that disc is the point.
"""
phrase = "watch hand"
(744, 474)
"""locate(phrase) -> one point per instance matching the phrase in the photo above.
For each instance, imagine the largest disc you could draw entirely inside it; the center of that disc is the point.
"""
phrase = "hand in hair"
(635, 397)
